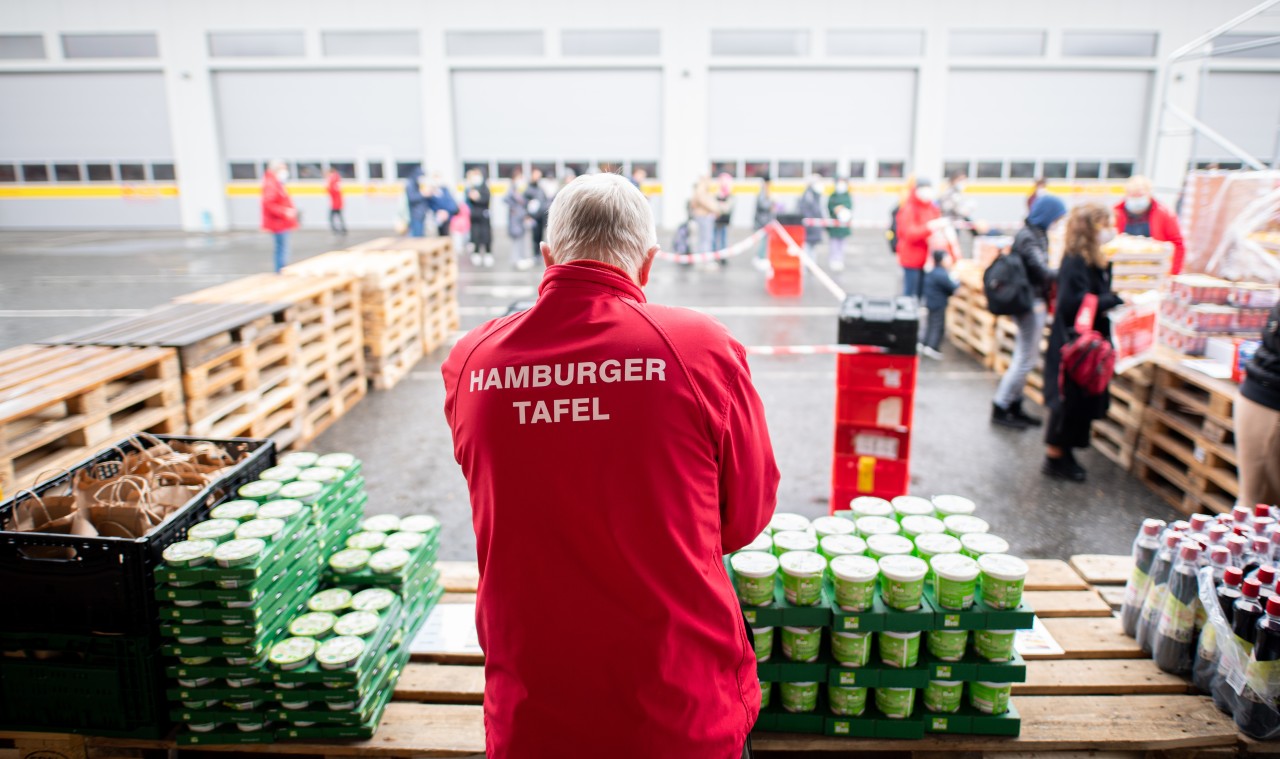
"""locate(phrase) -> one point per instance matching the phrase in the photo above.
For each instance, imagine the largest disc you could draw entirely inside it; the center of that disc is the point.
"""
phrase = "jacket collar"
(593, 273)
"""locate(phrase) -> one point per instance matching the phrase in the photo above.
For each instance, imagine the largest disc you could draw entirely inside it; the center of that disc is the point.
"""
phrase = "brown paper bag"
(124, 508)
(52, 514)
(171, 490)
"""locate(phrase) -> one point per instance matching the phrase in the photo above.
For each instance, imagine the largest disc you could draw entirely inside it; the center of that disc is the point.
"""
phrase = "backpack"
(891, 234)
(1007, 287)
(1089, 360)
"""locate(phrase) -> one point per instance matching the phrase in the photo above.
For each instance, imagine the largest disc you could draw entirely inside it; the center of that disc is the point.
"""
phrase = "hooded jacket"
(277, 206)
(1031, 244)
(1164, 227)
(913, 231)
(615, 450)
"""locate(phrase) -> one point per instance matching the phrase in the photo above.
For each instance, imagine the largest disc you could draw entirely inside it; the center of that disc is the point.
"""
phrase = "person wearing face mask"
(913, 234)
(810, 207)
(840, 206)
(1139, 214)
(478, 197)
(279, 217)
(954, 204)
(517, 213)
(1084, 271)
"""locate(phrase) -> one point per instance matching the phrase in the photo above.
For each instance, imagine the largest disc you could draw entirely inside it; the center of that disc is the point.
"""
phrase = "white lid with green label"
(1002, 566)
(802, 563)
(825, 526)
(790, 540)
(755, 564)
(284, 508)
(838, 545)
(419, 523)
(405, 541)
(889, 545)
(984, 542)
(242, 704)
(189, 553)
(903, 568)
(389, 561)
(292, 653)
(281, 473)
(934, 544)
(337, 460)
(320, 474)
(955, 567)
(240, 510)
(381, 523)
(369, 541)
(962, 524)
(239, 641)
(202, 727)
(910, 505)
(313, 624)
(195, 661)
(259, 489)
(870, 506)
(212, 529)
(331, 600)
(340, 652)
(302, 491)
(950, 505)
(300, 459)
(762, 542)
(922, 525)
(349, 560)
(855, 568)
(373, 599)
(787, 522)
(358, 623)
(878, 526)
(239, 552)
(294, 706)
(266, 529)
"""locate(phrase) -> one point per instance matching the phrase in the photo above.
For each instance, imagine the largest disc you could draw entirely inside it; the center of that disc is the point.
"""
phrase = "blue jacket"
(443, 201)
(938, 286)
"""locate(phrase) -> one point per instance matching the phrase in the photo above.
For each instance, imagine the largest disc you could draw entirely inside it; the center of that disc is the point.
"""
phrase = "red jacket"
(614, 450)
(913, 231)
(278, 214)
(1164, 227)
(335, 191)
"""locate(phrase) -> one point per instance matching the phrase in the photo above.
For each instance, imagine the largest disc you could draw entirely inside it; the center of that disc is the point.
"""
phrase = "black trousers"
(934, 325)
(336, 222)
(539, 229)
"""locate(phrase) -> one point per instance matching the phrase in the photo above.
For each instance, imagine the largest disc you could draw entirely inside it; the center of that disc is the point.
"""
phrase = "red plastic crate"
(879, 372)
(887, 409)
(860, 440)
(880, 475)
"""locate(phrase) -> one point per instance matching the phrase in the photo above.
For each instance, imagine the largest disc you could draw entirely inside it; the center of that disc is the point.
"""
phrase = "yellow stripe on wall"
(89, 191)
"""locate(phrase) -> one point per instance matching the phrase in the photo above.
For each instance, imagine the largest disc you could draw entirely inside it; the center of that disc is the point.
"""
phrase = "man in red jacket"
(336, 223)
(615, 450)
(279, 217)
(1140, 214)
(914, 234)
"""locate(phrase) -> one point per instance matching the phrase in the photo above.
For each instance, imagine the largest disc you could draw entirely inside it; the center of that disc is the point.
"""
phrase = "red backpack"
(1089, 360)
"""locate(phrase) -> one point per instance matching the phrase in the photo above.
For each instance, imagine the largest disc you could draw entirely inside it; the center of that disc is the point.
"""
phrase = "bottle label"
(1137, 587)
(1209, 643)
(1177, 620)
(1151, 606)
(1263, 677)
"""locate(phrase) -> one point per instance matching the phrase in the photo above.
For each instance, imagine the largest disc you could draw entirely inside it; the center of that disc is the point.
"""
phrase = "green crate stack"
(827, 673)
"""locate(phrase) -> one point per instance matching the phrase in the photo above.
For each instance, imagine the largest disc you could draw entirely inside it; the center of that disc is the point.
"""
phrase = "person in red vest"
(1140, 214)
(609, 624)
(279, 217)
(336, 222)
(914, 234)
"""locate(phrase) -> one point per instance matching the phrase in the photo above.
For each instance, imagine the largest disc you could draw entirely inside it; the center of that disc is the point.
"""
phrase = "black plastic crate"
(90, 684)
(108, 586)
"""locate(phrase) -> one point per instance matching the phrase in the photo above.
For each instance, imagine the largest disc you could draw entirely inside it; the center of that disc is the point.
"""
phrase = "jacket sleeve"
(949, 285)
(748, 473)
(911, 228)
(1034, 258)
(275, 202)
(1173, 234)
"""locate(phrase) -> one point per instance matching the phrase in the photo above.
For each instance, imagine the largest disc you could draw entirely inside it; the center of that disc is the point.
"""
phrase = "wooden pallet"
(61, 404)
(969, 325)
(440, 314)
(437, 257)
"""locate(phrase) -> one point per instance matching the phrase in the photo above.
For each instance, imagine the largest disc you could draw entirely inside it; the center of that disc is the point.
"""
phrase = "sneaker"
(932, 353)
(836, 266)
(1030, 419)
(488, 261)
(475, 259)
(1006, 418)
(1063, 468)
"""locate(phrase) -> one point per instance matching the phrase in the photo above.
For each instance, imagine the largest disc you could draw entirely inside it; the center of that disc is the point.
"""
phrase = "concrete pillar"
(685, 92)
(193, 122)
(439, 149)
(931, 106)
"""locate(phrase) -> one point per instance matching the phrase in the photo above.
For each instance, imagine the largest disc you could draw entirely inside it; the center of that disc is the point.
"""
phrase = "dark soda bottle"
(1174, 641)
(1145, 547)
(1205, 669)
(1153, 603)
(1239, 548)
(1266, 577)
(1256, 714)
(1244, 623)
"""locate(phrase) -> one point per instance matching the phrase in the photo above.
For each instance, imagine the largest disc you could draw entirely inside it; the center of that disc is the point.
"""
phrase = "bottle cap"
(1152, 526)
(1275, 536)
(1260, 546)
(1261, 510)
(1251, 588)
(1190, 551)
(1263, 525)
(1172, 540)
(1266, 575)
(1240, 513)
(1238, 530)
(1199, 522)
(1233, 576)
(1217, 534)
(1236, 545)
(1273, 606)
(1219, 555)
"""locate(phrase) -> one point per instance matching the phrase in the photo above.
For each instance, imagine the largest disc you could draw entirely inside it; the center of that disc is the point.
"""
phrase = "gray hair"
(601, 217)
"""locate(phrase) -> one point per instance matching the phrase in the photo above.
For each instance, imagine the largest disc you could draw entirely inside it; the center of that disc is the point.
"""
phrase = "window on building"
(548, 168)
(244, 170)
(790, 169)
(503, 44)
(133, 172)
(507, 168)
(754, 42)
(651, 168)
(1056, 170)
(8, 172)
(1119, 169)
(857, 169)
(19, 46)
(257, 44)
(723, 167)
(1109, 44)
(101, 172)
(755, 169)
(163, 172)
(989, 170)
(405, 169)
(345, 169)
(891, 169)
(35, 172)
(823, 168)
(610, 42)
(483, 166)
(66, 172)
(110, 46)
(1088, 169)
(1022, 169)
(577, 167)
(376, 170)
(997, 42)
(609, 167)
(875, 42)
(371, 44)
(310, 170)
(950, 168)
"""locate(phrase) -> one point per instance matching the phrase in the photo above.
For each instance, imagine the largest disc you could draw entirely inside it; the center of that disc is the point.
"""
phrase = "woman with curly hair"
(1084, 271)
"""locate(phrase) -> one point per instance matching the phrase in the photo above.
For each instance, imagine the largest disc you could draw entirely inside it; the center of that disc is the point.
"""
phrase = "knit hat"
(1046, 210)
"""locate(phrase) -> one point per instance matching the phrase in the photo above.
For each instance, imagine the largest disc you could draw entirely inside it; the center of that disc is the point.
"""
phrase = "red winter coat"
(913, 231)
(335, 191)
(1164, 227)
(278, 214)
(614, 450)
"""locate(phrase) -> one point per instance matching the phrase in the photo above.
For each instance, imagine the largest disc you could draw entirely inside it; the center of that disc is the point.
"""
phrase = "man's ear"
(546, 255)
(649, 257)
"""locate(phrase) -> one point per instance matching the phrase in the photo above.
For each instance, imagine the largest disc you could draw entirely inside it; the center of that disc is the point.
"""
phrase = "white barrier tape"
(809, 263)
(812, 350)
(737, 249)
(868, 224)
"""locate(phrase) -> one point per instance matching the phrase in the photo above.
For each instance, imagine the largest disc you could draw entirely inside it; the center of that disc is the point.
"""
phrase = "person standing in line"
(1257, 417)
(1031, 245)
(810, 207)
(954, 204)
(840, 206)
(418, 200)
(938, 289)
(1037, 189)
(441, 201)
(478, 199)
(704, 209)
(536, 205)
(279, 217)
(1085, 271)
(336, 223)
(516, 217)
(1139, 214)
(638, 177)
(724, 203)
(764, 216)
(914, 236)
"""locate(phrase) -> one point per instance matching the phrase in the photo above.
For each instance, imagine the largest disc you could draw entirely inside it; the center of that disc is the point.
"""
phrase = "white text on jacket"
(564, 375)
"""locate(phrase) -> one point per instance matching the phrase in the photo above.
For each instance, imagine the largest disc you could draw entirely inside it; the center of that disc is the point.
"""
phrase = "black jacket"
(1262, 374)
(1031, 244)
(938, 286)
(1075, 280)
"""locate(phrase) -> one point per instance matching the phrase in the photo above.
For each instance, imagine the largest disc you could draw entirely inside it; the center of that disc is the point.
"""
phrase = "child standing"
(938, 287)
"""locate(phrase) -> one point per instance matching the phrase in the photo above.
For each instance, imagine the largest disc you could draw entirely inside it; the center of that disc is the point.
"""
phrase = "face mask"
(1137, 206)
(927, 194)
(1106, 235)
(959, 186)
(842, 187)
(282, 175)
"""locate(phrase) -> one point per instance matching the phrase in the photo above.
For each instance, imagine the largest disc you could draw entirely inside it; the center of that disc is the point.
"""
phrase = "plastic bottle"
(1264, 526)
(1239, 548)
(1255, 713)
(1153, 603)
(1217, 534)
(1174, 645)
(1261, 510)
(1145, 547)
(1266, 577)
(1244, 623)
(1205, 669)
(1242, 517)
(1255, 557)
(1220, 560)
(1199, 528)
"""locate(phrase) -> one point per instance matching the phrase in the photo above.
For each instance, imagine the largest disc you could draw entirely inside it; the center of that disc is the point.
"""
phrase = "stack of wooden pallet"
(1116, 437)
(439, 264)
(971, 327)
(325, 312)
(60, 405)
(240, 370)
(390, 302)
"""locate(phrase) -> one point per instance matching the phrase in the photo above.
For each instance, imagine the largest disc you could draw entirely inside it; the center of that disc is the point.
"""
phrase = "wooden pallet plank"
(1103, 569)
(1066, 603)
(441, 683)
(1053, 574)
(459, 576)
(1091, 638)
(1113, 595)
(1069, 677)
